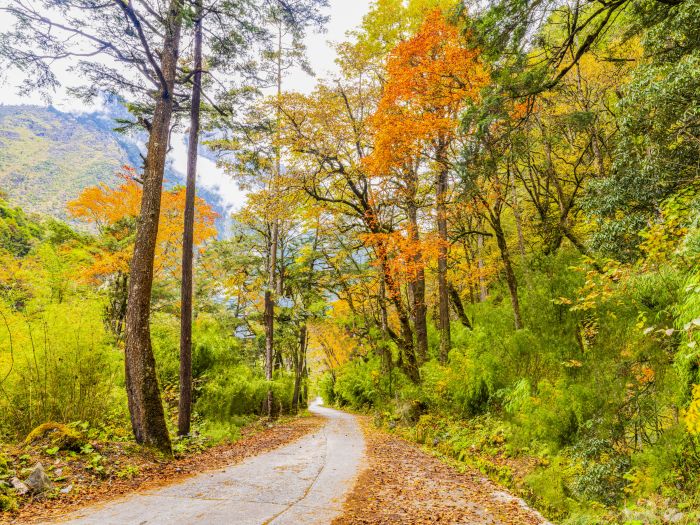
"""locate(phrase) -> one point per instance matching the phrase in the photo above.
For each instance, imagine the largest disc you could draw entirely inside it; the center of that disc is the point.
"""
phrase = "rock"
(673, 516)
(66, 489)
(640, 515)
(20, 488)
(38, 481)
(57, 435)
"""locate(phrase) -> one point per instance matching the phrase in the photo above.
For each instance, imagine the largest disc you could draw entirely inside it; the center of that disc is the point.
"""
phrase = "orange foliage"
(398, 251)
(430, 78)
(114, 212)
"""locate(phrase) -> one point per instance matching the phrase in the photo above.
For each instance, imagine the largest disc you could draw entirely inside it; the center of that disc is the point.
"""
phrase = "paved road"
(299, 484)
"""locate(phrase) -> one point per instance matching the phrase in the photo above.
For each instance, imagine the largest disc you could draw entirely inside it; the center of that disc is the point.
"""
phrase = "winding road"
(303, 483)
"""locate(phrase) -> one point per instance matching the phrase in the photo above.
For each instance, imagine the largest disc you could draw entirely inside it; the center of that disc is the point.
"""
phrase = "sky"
(345, 15)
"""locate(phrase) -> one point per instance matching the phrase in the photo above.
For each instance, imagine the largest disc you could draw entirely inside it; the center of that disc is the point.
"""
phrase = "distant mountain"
(47, 157)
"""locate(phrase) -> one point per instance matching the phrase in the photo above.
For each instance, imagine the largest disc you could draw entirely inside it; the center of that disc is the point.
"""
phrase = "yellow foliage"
(692, 415)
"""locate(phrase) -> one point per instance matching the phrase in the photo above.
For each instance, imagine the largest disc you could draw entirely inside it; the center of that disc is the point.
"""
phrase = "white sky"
(345, 16)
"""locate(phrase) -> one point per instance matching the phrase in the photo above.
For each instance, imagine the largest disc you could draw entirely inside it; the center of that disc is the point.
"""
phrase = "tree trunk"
(418, 287)
(115, 312)
(269, 344)
(443, 294)
(274, 239)
(508, 267)
(459, 306)
(298, 368)
(304, 394)
(407, 352)
(518, 219)
(145, 407)
(185, 402)
(483, 290)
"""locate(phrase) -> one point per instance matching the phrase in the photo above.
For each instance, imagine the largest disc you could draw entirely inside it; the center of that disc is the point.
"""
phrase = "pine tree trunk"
(143, 393)
(185, 402)
(443, 293)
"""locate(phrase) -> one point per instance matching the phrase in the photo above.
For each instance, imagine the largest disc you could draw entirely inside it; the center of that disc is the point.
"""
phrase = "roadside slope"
(405, 486)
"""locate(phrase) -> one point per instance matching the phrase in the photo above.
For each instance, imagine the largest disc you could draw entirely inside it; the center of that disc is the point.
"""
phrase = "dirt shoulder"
(403, 485)
(133, 469)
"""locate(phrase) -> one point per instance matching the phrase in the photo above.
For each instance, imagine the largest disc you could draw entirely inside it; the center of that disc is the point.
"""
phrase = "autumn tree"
(252, 150)
(328, 137)
(430, 77)
(113, 211)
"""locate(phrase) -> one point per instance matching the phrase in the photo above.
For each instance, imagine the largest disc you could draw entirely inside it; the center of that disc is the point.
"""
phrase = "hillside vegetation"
(48, 157)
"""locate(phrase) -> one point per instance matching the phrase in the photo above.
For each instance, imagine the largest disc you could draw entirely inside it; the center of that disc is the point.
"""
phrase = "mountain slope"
(48, 157)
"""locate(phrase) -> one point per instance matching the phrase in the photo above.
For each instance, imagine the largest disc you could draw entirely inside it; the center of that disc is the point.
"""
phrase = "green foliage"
(8, 502)
(590, 389)
(60, 366)
(358, 384)
(575, 203)
(17, 232)
(658, 147)
(602, 471)
(231, 392)
(128, 471)
(326, 388)
(549, 487)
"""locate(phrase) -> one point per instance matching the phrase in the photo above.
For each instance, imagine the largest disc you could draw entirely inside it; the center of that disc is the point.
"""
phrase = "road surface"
(303, 483)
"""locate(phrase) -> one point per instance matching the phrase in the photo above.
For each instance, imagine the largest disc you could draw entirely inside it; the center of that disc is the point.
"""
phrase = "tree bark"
(407, 353)
(518, 219)
(143, 393)
(418, 287)
(483, 290)
(269, 344)
(443, 293)
(508, 267)
(299, 367)
(384, 322)
(459, 306)
(185, 401)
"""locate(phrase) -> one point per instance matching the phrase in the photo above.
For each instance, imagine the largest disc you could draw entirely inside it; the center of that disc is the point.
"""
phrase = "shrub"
(358, 385)
(61, 366)
(602, 471)
(326, 388)
(231, 392)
